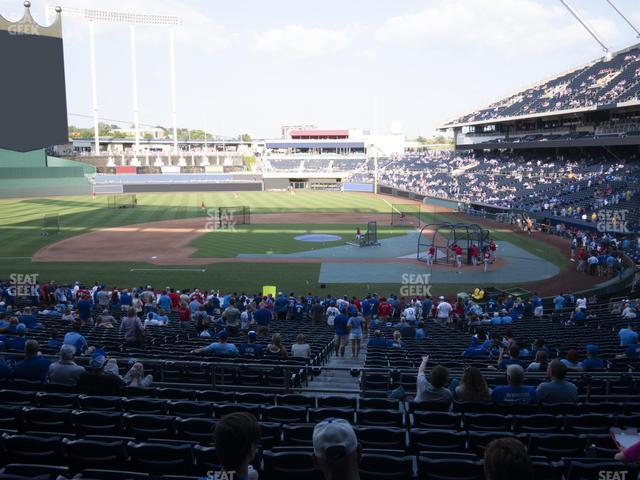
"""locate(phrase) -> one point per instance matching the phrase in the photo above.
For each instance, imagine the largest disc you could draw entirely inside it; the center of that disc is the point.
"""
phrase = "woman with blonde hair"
(135, 377)
(397, 341)
(275, 348)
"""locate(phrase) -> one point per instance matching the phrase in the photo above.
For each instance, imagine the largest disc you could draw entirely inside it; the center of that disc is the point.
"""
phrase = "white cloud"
(511, 27)
(198, 30)
(303, 42)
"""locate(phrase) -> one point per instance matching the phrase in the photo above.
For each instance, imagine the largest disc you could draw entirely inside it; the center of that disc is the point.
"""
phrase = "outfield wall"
(31, 174)
(192, 187)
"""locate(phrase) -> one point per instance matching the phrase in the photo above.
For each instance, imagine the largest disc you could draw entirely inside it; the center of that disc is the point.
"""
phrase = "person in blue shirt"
(509, 302)
(592, 362)
(340, 324)
(518, 310)
(296, 310)
(126, 299)
(505, 318)
(377, 340)
(558, 302)
(33, 367)
(578, 317)
(54, 341)
(496, 319)
(6, 372)
(251, 349)
(628, 336)
(281, 306)
(536, 300)
(374, 304)
(17, 343)
(427, 305)
(263, 317)
(492, 305)
(84, 309)
(221, 347)
(514, 392)
(475, 350)
(514, 358)
(539, 345)
(28, 318)
(194, 306)
(421, 331)
(397, 341)
(165, 301)
(76, 339)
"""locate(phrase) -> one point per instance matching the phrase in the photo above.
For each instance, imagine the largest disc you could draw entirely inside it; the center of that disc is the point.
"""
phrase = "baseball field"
(167, 240)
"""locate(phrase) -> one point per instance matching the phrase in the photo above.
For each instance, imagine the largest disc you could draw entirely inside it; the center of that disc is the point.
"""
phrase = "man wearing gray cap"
(65, 371)
(336, 451)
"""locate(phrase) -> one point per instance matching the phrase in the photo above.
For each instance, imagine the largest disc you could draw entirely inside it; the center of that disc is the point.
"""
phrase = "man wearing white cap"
(336, 451)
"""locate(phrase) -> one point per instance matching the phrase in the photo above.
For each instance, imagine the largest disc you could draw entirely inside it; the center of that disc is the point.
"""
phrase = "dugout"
(443, 235)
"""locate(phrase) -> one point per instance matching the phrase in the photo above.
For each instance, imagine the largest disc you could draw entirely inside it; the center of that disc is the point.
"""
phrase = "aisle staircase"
(330, 381)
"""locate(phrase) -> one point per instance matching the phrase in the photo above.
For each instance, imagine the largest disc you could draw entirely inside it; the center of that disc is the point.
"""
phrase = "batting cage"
(228, 216)
(369, 238)
(405, 215)
(437, 241)
(50, 224)
(122, 201)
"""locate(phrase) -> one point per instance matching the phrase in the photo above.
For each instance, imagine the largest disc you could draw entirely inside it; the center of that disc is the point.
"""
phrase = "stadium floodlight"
(585, 25)
(613, 5)
(132, 19)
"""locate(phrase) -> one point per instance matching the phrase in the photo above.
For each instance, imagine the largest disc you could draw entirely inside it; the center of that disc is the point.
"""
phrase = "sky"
(250, 66)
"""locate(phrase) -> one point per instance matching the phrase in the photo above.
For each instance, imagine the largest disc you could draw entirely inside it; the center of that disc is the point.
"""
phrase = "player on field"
(431, 255)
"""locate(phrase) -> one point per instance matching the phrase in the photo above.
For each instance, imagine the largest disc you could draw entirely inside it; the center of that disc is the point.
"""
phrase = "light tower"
(132, 19)
(586, 26)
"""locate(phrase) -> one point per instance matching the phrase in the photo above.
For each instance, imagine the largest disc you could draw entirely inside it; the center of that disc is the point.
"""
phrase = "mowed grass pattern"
(21, 228)
(21, 219)
(276, 239)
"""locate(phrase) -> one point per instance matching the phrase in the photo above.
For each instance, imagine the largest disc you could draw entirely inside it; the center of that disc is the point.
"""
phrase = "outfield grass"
(21, 228)
(276, 239)
(21, 224)
(21, 219)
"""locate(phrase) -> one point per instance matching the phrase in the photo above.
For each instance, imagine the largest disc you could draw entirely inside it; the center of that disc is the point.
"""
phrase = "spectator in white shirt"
(443, 311)
(301, 348)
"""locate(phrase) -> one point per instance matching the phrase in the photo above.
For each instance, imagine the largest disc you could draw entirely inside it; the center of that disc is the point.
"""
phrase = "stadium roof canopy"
(604, 83)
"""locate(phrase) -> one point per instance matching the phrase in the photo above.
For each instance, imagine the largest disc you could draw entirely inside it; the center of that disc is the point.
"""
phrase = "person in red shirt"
(175, 299)
(384, 309)
(458, 257)
(493, 248)
(474, 254)
(184, 315)
(431, 255)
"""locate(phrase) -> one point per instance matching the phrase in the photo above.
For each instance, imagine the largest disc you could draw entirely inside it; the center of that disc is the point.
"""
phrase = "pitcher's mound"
(318, 237)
